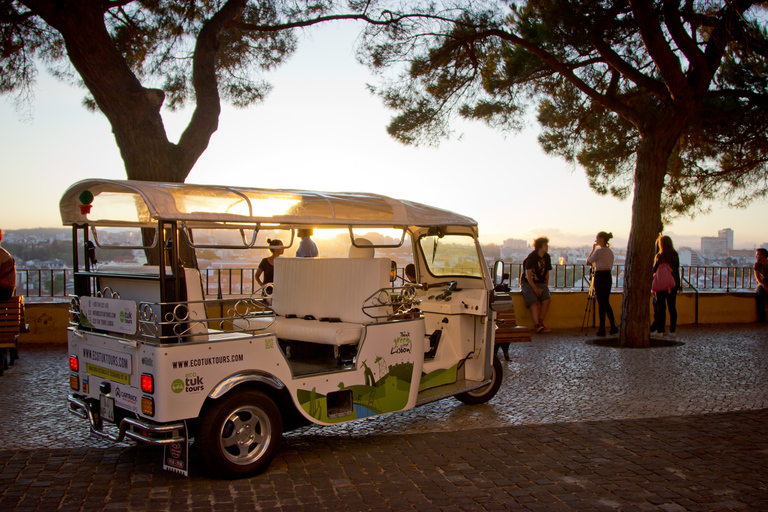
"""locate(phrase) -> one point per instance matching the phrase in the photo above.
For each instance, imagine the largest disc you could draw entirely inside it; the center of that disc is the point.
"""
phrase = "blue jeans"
(530, 296)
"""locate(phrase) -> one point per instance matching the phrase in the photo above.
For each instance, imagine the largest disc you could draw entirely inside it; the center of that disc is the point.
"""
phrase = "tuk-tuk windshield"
(451, 255)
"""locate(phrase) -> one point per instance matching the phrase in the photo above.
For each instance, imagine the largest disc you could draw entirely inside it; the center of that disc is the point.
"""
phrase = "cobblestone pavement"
(574, 426)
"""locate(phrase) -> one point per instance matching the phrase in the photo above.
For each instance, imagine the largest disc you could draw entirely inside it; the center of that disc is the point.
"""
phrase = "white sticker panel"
(114, 315)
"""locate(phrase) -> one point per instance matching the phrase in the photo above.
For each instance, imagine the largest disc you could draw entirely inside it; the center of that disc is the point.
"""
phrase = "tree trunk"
(133, 110)
(650, 170)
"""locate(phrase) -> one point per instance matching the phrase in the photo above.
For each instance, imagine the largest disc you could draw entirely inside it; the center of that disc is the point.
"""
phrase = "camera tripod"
(590, 297)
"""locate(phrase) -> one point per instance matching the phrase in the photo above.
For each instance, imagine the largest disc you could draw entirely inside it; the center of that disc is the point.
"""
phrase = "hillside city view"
(43, 257)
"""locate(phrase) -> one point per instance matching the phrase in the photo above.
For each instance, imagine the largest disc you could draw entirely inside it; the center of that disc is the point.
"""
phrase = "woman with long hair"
(666, 298)
(266, 271)
(601, 258)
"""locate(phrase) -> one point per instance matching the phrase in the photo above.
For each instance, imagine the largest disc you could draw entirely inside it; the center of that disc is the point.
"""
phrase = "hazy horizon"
(320, 129)
(556, 237)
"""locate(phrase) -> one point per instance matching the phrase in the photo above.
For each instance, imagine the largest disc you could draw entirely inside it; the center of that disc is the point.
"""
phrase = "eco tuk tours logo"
(402, 344)
(192, 383)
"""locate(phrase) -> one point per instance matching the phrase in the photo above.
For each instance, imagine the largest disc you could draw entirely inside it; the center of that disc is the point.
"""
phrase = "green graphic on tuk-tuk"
(385, 390)
(438, 378)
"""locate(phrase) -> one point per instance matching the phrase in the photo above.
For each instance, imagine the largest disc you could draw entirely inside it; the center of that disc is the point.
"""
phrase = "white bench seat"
(323, 288)
(313, 331)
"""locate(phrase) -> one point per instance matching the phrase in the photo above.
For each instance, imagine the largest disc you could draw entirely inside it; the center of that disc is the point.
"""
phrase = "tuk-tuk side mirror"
(499, 276)
(393, 272)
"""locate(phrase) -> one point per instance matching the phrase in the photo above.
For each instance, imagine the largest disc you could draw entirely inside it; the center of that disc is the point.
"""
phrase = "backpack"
(663, 280)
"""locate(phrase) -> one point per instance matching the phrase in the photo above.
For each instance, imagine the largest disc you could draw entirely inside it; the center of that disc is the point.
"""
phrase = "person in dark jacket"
(666, 299)
(7, 273)
(761, 276)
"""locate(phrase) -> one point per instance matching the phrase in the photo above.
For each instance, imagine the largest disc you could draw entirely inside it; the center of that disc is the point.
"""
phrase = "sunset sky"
(320, 129)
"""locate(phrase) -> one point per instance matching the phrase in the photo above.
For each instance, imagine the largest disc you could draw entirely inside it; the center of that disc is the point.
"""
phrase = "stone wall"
(48, 321)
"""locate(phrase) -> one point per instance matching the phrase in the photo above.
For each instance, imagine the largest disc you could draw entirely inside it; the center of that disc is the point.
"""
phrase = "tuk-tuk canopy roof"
(143, 203)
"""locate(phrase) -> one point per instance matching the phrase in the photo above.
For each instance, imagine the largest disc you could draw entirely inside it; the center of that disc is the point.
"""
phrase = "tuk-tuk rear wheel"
(240, 434)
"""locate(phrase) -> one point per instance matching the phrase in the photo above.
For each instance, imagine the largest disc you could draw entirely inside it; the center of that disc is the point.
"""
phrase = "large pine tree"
(663, 99)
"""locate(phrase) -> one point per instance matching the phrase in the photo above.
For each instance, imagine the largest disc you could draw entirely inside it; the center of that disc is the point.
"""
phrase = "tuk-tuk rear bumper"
(133, 428)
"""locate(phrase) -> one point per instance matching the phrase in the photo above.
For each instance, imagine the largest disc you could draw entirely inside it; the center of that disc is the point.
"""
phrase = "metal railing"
(58, 283)
(576, 277)
(45, 283)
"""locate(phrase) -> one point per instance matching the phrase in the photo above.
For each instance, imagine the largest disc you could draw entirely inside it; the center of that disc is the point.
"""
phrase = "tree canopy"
(135, 57)
(662, 99)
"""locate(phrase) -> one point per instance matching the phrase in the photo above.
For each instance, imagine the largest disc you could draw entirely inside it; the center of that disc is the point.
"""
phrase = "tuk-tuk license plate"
(107, 407)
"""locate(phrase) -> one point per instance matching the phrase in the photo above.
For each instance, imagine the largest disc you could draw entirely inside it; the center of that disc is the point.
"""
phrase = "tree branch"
(116, 3)
(10, 15)
(567, 72)
(391, 19)
(729, 27)
(205, 118)
(687, 45)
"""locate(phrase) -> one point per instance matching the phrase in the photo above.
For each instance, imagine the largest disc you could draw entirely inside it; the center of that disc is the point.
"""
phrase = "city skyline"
(320, 129)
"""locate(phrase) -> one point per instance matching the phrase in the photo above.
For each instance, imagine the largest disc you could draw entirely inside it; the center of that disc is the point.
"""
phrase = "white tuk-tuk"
(330, 340)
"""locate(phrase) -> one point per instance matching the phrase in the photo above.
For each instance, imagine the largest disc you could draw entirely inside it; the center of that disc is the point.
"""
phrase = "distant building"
(726, 233)
(514, 243)
(712, 247)
(689, 257)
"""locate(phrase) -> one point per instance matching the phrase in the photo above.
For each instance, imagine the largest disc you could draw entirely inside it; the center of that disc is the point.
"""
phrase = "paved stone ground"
(575, 426)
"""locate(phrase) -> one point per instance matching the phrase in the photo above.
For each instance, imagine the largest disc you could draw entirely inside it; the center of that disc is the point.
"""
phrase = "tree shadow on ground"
(614, 343)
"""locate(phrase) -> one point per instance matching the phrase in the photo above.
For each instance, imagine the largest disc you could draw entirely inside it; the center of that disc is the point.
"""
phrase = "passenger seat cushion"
(328, 287)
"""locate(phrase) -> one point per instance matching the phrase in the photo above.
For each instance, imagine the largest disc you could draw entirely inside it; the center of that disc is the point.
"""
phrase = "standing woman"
(602, 259)
(266, 271)
(666, 298)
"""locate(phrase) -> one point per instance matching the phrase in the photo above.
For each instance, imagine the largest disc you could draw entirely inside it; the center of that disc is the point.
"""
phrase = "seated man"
(534, 283)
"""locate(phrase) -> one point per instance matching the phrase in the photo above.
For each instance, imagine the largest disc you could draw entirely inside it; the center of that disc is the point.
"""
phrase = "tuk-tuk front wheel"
(240, 434)
(482, 395)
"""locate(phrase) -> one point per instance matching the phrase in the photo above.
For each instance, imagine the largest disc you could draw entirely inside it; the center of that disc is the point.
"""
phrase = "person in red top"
(7, 273)
(761, 275)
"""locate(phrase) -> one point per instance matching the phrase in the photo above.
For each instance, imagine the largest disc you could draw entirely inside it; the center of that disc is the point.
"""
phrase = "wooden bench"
(509, 332)
(11, 325)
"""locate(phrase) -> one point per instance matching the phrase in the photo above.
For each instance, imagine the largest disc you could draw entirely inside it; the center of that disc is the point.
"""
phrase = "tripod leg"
(587, 310)
(590, 297)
